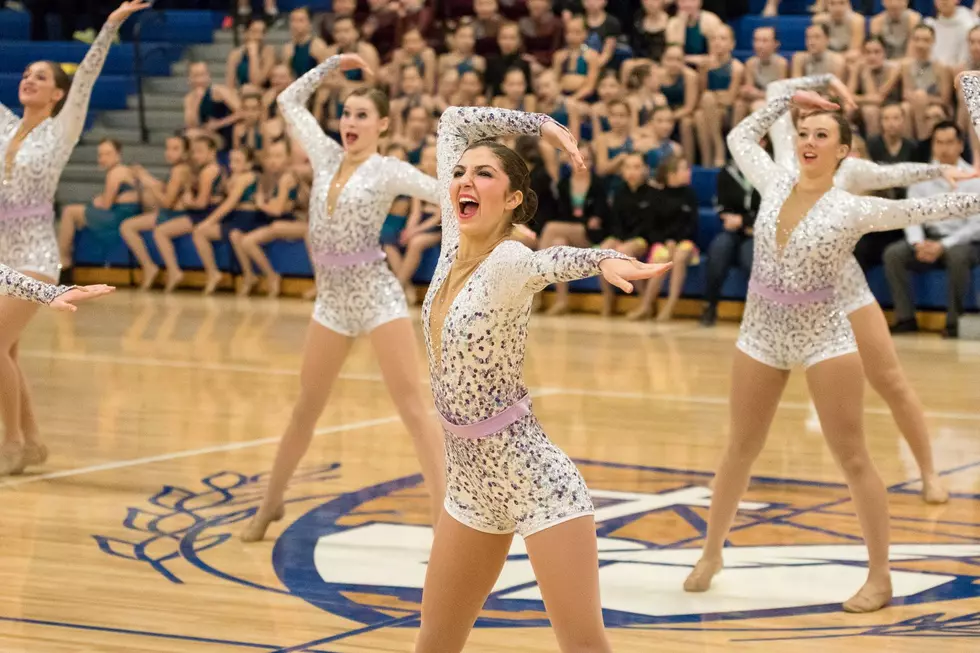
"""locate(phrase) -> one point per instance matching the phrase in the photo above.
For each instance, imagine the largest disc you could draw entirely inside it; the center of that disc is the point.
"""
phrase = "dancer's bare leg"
(463, 566)
(571, 599)
(204, 237)
(72, 219)
(395, 346)
(163, 237)
(323, 356)
(754, 397)
(15, 314)
(837, 388)
(131, 230)
(35, 453)
(887, 378)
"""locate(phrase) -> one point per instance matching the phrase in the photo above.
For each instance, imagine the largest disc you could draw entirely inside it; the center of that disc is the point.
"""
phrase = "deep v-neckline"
(343, 189)
(8, 164)
(780, 251)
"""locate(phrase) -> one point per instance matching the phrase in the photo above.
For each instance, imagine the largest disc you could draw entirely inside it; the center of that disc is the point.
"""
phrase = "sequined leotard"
(858, 176)
(512, 479)
(21, 286)
(27, 238)
(356, 292)
(793, 315)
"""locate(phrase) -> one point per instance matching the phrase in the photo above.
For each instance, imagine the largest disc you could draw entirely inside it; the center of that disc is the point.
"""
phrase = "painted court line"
(234, 446)
(611, 394)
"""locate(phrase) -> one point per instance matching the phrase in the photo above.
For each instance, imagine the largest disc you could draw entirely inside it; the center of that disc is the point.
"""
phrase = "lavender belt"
(27, 212)
(813, 296)
(331, 260)
(490, 425)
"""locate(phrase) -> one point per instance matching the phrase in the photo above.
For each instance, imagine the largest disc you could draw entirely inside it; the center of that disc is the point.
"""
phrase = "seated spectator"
(541, 182)
(347, 40)
(672, 229)
(118, 201)
(655, 142)
(738, 205)
(644, 96)
(422, 232)
(935, 114)
(461, 55)
(846, 28)
(925, 81)
(576, 65)
(250, 64)
(951, 25)
(818, 59)
(387, 20)
(515, 93)
(628, 225)
(608, 90)
(680, 85)
(582, 212)
(279, 80)
(894, 26)
(511, 56)
(205, 193)
(471, 92)
(448, 88)
(552, 102)
(412, 97)
(691, 28)
(953, 245)
(649, 38)
(209, 109)
(232, 219)
(248, 132)
(604, 31)
(486, 23)
(339, 9)
(613, 147)
(414, 51)
(416, 133)
(264, 10)
(305, 49)
(763, 68)
(874, 82)
(277, 199)
(720, 78)
(541, 31)
(166, 197)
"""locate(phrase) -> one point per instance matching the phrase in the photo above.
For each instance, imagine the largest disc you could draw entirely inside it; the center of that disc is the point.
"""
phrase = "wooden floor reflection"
(162, 414)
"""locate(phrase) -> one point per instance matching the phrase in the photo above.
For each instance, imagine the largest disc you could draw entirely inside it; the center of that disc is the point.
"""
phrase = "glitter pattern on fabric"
(21, 286)
(353, 299)
(27, 238)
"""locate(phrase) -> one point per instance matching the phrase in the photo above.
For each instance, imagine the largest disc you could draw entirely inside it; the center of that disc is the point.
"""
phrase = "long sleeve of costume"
(559, 264)
(970, 86)
(72, 116)
(322, 150)
(863, 176)
(782, 135)
(405, 179)
(458, 128)
(21, 286)
(878, 214)
(7, 118)
(749, 155)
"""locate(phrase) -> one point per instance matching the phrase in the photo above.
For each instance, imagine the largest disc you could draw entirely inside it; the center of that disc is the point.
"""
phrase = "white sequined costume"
(858, 176)
(27, 237)
(793, 315)
(356, 291)
(513, 479)
(21, 286)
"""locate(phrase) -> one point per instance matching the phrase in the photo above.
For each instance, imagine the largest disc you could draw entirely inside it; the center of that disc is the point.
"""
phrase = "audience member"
(305, 49)
(691, 28)
(894, 26)
(679, 84)
(604, 31)
(650, 31)
(576, 65)
(874, 82)
(817, 59)
(846, 28)
(925, 80)
(720, 77)
(951, 24)
(763, 68)
(209, 109)
(541, 31)
(510, 55)
(250, 64)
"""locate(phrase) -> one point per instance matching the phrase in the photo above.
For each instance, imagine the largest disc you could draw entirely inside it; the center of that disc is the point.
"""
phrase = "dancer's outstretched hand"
(353, 62)
(558, 137)
(66, 301)
(619, 272)
(126, 10)
(953, 175)
(807, 101)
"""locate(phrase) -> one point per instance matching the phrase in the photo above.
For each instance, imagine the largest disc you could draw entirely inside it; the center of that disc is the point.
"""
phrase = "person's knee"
(959, 258)
(854, 462)
(888, 381)
(895, 255)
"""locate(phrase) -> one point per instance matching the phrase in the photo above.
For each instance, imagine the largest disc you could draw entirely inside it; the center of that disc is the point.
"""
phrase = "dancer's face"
(108, 156)
(361, 125)
(38, 88)
(480, 191)
(819, 147)
(174, 152)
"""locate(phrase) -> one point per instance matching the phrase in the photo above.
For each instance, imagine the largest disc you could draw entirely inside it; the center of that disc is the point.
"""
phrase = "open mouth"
(809, 157)
(350, 138)
(468, 206)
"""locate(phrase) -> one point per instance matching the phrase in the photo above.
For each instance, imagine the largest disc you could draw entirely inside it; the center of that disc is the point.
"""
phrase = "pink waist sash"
(490, 425)
(331, 260)
(813, 296)
(27, 211)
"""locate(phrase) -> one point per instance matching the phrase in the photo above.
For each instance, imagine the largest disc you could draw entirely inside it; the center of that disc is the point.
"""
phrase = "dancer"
(20, 286)
(35, 150)
(875, 344)
(503, 474)
(805, 231)
(353, 187)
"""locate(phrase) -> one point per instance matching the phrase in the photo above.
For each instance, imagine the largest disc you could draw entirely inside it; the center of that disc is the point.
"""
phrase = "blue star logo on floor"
(362, 555)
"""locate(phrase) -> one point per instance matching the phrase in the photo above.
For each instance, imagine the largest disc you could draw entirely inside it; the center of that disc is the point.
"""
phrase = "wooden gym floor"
(162, 415)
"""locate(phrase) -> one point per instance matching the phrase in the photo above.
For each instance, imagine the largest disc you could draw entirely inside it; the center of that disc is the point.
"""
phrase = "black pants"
(957, 261)
(74, 15)
(727, 250)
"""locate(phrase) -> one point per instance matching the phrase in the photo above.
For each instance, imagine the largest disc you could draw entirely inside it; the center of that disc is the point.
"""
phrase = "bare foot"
(700, 579)
(664, 316)
(247, 284)
(273, 286)
(255, 531)
(11, 458)
(149, 276)
(556, 309)
(35, 453)
(933, 490)
(641, 313)
(213, 280)
(173, 280)
(872, 597)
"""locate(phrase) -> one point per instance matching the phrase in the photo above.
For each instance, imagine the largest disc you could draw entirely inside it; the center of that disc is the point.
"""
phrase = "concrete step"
(176, 87)
(91, 174)
(157, 119)
(77, 192)
(157, 102)
(217, 69)
(278, 37)
(158, 137)
(210, 53)
(146, 155)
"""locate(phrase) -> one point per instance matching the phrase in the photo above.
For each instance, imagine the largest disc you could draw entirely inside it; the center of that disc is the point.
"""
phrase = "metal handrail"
(145, 17)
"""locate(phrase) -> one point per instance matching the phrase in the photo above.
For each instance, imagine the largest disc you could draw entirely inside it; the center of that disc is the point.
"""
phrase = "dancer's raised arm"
(863, 176)
(782, 135)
